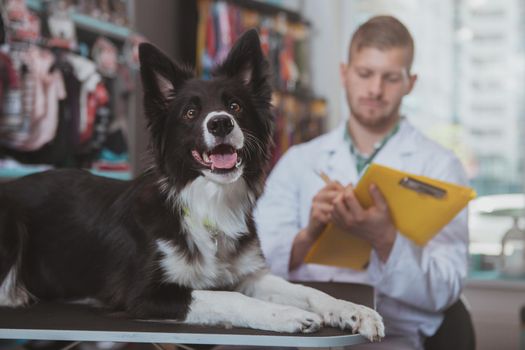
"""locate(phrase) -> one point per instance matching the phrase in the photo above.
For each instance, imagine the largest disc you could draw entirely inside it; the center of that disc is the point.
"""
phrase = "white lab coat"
(415, 284)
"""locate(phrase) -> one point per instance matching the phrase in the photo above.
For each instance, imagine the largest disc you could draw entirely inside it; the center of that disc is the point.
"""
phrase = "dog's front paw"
(359, 319)
(370, 324)
(293, 320)
(302, 321)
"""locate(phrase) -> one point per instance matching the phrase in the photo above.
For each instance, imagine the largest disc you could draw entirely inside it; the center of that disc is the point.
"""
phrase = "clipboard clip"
(422, 187)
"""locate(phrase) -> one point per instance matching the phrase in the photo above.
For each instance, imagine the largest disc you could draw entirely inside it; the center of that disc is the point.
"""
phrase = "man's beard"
(380, 122)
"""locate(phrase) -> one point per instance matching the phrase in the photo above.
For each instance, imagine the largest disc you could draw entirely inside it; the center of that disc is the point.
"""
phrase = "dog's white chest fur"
(214, 218)
(224, 206)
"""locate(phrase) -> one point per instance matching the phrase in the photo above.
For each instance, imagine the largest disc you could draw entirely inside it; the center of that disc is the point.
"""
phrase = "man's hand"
(320, 215)
(373, 224)
(322, 208)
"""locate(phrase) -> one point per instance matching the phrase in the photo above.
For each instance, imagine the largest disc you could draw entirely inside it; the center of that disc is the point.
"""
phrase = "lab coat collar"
(338, 162)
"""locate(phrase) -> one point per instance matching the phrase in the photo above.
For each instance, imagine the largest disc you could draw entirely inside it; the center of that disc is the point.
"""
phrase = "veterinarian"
(413, 284)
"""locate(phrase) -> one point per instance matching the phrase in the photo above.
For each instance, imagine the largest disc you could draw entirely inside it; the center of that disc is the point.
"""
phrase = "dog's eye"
(235, 107)
(190, 113)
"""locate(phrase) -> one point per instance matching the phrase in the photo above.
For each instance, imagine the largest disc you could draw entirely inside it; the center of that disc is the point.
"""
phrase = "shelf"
(35, 5)
(89, 23)
(119, 175)
(270, 9)
(13, 173)
(492, 279)
(101, 27)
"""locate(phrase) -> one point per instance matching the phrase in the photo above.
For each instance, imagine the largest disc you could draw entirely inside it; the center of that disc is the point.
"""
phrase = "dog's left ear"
(161, 81)
(246, 62)
(161, 77)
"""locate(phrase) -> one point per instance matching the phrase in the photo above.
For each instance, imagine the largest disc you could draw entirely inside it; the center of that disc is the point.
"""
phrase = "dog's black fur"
(71, 235)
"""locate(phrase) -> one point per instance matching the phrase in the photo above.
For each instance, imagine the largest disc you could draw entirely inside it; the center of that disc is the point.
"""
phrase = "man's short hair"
(383, 33)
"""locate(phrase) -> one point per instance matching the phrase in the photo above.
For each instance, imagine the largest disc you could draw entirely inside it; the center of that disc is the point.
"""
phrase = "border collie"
(179, 242)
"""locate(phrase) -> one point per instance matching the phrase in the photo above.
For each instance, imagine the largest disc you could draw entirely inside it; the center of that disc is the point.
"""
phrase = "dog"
(178, 242)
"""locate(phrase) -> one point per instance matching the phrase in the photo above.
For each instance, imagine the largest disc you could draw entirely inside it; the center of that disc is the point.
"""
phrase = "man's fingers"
(377, 197)
(337, 185)
(327, 195)
(341, 209)
(322, 212)
(353, 204)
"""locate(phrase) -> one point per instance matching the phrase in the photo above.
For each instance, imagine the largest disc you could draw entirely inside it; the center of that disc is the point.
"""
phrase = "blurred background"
(70, 97)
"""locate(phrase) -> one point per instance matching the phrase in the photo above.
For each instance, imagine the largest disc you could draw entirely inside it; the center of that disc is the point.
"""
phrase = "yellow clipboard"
(420, 207)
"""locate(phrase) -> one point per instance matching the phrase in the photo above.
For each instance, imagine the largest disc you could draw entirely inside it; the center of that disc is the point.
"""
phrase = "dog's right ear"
(161, 79)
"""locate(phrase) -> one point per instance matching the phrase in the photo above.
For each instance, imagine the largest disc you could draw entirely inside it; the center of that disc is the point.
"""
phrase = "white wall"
(333, 23)
(327, 46)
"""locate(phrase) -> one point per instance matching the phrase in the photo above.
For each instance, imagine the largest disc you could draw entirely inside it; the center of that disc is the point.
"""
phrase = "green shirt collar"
(362, 160)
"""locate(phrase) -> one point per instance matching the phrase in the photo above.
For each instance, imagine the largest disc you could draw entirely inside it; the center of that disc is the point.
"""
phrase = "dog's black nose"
(220, 125)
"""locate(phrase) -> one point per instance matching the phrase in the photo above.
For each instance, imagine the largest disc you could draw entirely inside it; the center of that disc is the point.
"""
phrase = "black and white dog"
(179, 242)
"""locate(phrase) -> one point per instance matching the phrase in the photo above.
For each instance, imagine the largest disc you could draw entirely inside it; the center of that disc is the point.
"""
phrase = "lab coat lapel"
(338, 163)
(398, 152)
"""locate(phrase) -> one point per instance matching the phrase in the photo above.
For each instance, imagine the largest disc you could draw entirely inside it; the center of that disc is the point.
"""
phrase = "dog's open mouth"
(222, 158)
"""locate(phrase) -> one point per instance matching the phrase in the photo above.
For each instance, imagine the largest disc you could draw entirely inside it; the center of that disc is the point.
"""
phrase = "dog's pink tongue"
(223, 161)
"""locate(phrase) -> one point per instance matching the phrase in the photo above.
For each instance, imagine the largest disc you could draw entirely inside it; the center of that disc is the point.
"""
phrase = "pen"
(326, 178)
(323, 176)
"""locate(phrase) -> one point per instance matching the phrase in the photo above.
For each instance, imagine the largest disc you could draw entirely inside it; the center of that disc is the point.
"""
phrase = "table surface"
(492, 279)
(74, 322)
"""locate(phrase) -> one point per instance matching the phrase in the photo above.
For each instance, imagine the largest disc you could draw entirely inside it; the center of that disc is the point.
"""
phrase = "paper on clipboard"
(420, 207)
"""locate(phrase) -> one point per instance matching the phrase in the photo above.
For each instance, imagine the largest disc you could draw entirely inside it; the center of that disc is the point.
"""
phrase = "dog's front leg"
(335, 312)
(238, 310)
